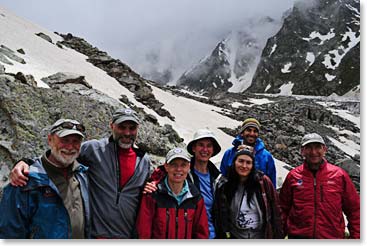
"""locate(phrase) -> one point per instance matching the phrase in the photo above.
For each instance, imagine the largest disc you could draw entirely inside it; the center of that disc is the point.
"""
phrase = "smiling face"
(314, 154)
(124, 133)
(249, 135)
(243, 166)
(203, 149)
(177, 170)
(65, 150)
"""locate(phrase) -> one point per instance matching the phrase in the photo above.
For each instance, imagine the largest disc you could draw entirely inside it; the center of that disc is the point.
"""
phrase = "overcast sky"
(178, 32)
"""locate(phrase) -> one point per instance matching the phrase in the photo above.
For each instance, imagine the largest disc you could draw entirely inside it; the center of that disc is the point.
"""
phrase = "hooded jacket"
(268, 201)
(264, 161)
(113, 209)
(37, 209)
(160, 172)
(160, 216)
(313, 206)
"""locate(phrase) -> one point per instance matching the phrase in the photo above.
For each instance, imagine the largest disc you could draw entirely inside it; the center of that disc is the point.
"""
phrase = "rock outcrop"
(26, 113)
(118, 70)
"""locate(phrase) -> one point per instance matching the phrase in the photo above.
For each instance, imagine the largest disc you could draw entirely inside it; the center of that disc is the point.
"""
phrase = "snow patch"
(333, 58)
(260, 101)
(329, 77)
(286, 67)
(310, 57)
(282, 169)
(347, 146)
(286, 89)
(237, 105)
(273, 49)
(322, 38)
(345, 114)
(191, 115)
(267, 87)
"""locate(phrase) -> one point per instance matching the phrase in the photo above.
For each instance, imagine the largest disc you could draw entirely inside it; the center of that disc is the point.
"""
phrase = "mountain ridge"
(314, 52)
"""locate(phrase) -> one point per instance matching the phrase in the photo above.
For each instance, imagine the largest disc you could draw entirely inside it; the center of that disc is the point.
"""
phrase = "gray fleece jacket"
(113, 210)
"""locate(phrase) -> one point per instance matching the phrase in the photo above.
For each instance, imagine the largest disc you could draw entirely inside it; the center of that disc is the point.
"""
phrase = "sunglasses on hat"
(68, 125)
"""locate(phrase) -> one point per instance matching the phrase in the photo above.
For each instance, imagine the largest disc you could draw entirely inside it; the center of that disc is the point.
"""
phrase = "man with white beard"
(54, 204)
(117, 173)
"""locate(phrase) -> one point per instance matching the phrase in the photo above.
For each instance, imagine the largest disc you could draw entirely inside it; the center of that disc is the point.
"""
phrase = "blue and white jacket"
(264, 161)
(37, 209)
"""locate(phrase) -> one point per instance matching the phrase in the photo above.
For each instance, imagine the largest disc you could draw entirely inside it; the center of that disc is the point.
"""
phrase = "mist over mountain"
(233, 62)
(315, 51)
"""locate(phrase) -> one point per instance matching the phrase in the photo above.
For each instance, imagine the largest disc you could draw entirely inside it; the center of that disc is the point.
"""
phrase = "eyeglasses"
(69, 125)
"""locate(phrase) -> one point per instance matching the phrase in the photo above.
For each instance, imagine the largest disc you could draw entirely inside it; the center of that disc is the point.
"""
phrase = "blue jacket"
(264, 161)
(37, 210)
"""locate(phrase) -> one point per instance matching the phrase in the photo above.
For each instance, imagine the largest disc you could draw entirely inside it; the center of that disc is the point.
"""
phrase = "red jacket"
(160, 216)
(312, 207)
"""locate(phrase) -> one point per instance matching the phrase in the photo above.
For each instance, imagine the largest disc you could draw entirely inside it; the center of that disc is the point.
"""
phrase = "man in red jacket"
(315, 195)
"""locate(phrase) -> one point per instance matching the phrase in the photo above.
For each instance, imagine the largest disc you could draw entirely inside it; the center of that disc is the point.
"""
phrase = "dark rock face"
(27, 112)
(8, 55)
(209, 75)
(317, 50)
(232, 63)
(44, 36)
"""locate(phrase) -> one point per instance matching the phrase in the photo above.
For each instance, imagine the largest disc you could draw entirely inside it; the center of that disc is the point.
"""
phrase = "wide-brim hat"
(201, 134)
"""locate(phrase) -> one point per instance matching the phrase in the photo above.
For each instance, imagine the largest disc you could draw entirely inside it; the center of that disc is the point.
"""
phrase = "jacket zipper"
(117, 174)
(315, 207)
(167, 222)
(186, 223)
(176, 223)
(321, 193)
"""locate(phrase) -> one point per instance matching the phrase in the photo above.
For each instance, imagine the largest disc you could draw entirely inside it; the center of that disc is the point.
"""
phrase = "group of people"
(103, 189)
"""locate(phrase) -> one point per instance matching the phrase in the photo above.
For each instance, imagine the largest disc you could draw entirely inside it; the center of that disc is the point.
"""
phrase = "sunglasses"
(68, 125)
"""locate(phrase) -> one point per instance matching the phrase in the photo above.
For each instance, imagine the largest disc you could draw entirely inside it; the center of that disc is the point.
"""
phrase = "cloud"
(177, 33)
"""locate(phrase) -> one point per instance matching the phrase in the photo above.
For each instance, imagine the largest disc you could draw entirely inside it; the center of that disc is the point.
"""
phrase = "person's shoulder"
(142, 153)
(195, 192)
(81, 168)
(336, 168)
(94, 144)
(296, 170)
(230, 149)
(221, 180)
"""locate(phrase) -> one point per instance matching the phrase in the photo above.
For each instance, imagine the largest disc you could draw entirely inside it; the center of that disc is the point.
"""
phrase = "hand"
(18, 175)
(150, 187)
(243, 146)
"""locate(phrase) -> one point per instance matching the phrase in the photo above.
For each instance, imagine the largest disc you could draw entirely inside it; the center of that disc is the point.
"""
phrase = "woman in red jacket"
(315, 195)
(176, 209)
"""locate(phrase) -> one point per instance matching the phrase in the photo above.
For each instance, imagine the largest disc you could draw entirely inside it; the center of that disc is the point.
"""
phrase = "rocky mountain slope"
(285, 120)
(233, 62)
(315, 52)
(27, 111)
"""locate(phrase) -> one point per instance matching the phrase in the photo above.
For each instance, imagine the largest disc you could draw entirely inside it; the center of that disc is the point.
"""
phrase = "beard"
(118, 139)
(64, 161)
